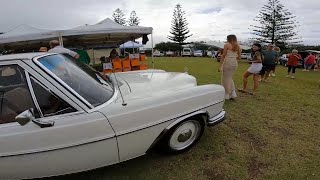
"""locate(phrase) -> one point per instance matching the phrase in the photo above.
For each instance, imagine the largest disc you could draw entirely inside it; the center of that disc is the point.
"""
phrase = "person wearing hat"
(56, 48)
(254, 69)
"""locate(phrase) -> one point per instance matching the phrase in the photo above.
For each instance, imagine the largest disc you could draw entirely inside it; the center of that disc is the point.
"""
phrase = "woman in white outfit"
(228, 65)
(254, 69)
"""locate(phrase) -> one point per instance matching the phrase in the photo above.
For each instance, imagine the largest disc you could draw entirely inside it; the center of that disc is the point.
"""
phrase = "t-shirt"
(84, 57)
(270, 57)
(311, 59)
(293, 60)
(62, 50)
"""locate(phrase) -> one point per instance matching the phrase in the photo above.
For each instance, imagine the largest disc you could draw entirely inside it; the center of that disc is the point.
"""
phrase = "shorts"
(255, 68)
(267, 68)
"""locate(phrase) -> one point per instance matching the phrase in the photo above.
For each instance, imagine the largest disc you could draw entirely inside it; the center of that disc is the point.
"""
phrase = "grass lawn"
(274, 135)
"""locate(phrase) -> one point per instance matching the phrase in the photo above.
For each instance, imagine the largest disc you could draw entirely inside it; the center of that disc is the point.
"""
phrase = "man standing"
(269, 62)
(56, 48)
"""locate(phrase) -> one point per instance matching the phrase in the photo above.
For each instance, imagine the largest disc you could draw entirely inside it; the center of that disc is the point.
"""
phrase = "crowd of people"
(263, 65)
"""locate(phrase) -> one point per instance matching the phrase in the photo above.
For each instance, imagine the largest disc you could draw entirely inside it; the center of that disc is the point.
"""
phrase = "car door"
(77, 140)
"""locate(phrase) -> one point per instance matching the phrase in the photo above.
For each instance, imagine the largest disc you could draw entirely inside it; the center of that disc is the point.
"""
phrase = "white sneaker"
(273, 75)
(233, 94)
(304, 70)
(292, 77)
(287, 76)
(227, 97)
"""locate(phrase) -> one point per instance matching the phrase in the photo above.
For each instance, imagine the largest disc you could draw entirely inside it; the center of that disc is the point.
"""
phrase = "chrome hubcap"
(185, 135)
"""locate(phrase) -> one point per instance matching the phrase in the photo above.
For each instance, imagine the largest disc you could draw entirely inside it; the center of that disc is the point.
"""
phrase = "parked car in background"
(170, 53)
(158, 54)
(64, 117)
(245, 55)
(283, 60)
(198, 53)
(210, 54)
(186, 52)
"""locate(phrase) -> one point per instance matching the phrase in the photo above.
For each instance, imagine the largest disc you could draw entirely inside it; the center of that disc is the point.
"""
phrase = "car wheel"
(183, 136)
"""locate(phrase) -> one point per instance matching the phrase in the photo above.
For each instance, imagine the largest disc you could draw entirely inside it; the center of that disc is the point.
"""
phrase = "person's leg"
(267, 73)
(289, 71)
(226, 81)
(262, 73)
(245, 80)
(293, 72)
(305, 67)
(309, 67)
(255, 83)
(273, 74)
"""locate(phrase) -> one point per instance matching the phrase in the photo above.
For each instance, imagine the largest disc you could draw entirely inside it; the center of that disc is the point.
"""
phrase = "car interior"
(15, 97)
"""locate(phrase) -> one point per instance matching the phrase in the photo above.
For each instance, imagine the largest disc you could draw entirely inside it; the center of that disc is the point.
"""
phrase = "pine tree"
(118, 17)
(277, 25)
(133, 20)
(179, 30)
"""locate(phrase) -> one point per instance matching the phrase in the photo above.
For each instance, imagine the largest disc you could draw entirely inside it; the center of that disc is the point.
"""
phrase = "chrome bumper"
(217, 119)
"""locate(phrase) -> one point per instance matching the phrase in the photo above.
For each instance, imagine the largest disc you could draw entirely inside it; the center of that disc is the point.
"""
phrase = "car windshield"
(89, 84)
(186, 50)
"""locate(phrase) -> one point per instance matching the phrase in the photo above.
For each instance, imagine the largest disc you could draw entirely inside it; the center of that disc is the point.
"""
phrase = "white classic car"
(59, 116)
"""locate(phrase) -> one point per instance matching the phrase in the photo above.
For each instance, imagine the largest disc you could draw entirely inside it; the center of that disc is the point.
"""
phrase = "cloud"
(210, 10)
(210, 20)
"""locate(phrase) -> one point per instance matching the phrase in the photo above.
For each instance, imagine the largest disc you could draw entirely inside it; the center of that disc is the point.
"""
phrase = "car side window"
(49, 103)
(15, 96)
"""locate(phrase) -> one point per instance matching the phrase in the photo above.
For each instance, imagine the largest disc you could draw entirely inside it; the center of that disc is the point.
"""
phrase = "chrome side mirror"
(25, 117)
(28, 115)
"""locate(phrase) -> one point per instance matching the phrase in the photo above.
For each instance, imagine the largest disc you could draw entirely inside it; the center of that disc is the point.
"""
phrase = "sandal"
(242, 91)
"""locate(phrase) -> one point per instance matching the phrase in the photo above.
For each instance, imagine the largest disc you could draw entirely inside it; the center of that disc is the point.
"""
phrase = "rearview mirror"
(25, 117)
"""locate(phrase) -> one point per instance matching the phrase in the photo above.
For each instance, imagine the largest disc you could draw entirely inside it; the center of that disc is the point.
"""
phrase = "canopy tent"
(106, 32)
(130, 45)
(25, 35)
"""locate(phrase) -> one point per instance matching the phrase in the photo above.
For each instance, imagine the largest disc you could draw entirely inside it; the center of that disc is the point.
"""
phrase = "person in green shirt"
(84, 57)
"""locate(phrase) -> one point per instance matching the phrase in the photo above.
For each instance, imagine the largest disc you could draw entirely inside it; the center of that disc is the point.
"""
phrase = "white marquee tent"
(25, 35)
(130, 45)
(106, 32)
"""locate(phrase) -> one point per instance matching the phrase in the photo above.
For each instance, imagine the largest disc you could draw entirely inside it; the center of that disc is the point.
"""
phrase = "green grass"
(274, 135)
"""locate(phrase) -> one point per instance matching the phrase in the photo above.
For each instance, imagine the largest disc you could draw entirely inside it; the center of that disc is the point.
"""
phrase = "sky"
(208, 19)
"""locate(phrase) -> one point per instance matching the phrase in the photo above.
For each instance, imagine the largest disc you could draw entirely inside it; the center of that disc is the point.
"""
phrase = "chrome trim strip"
(217, 118)
(34, 98)
(179, 119)
(58, 148)
(35, 60)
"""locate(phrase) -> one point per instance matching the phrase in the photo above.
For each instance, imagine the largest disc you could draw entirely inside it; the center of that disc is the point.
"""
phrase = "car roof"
(21, 56)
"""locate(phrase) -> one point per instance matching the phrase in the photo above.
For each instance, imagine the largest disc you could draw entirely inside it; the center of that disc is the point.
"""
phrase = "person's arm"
(239, 54)
(224, 54)
(77, 56)
(258, 56)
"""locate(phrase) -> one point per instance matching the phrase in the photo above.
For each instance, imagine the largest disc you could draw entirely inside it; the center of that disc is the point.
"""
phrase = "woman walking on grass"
(254, 70)
(228, 65)
(293, 63)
